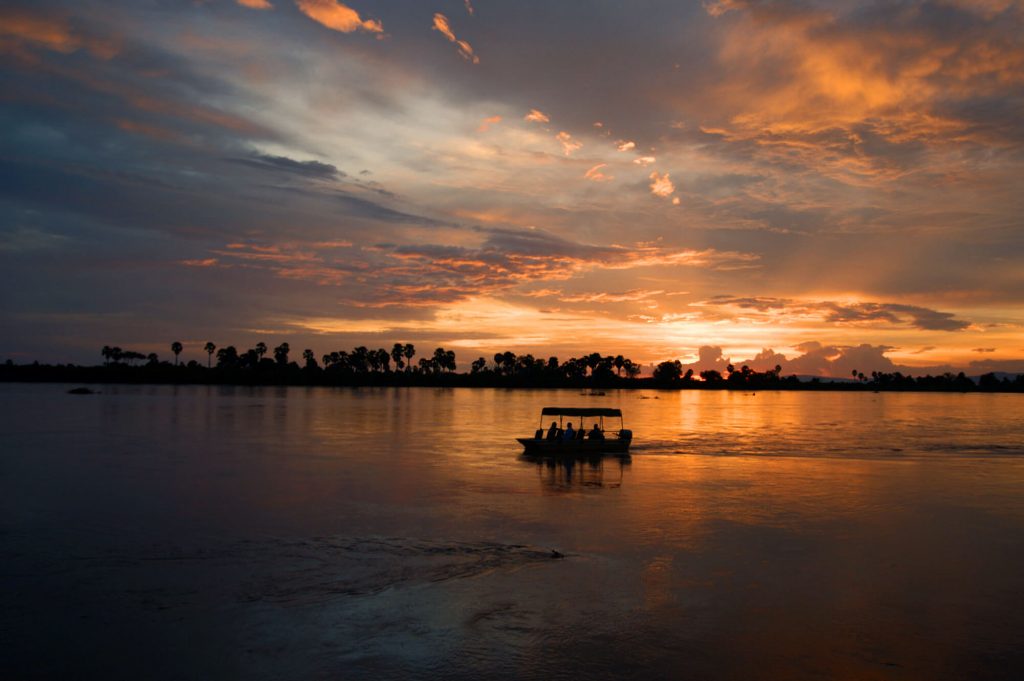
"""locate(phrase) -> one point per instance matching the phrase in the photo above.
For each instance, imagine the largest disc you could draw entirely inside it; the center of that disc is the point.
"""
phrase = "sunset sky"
(822, 185)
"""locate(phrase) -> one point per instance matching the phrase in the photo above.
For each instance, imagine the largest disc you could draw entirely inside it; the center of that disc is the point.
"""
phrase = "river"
(166, 532)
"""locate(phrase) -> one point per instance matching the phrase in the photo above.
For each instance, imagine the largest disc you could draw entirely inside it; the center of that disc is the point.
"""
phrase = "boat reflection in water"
(564, 473)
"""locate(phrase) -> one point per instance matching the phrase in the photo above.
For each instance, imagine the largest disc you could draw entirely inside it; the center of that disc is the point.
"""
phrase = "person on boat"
(569, 434)
(596, 433)
(553, 431)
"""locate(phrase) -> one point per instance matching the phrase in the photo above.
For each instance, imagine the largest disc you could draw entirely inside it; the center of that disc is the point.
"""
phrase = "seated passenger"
(569, 433)
(596, 433)
(553, 430)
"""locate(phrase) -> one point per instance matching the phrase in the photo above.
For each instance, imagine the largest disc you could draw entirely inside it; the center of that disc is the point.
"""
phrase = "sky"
(827, 186)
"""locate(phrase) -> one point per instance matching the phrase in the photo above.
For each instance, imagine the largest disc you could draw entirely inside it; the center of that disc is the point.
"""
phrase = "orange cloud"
(255, 4)
(595, 174)
(422, 275)
(469, 7)
(644, 160)
(536, 116)
(661, 185)
(625, 146)
(828, 90)
(717, 8)
(633, 295)
(444, 28)
(569, 145)
(337, 16)
(486, 124)
(49, 32)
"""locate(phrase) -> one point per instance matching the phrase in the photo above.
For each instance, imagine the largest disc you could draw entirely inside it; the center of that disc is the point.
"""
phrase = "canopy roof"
(580, 411)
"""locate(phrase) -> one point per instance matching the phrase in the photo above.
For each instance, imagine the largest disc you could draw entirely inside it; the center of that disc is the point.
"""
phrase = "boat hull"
(574, 447)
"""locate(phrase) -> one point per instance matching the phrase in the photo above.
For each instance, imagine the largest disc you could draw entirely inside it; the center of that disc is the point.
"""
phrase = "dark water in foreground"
(173, 533)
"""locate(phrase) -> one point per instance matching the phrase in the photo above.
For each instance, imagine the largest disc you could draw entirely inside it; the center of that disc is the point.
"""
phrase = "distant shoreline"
(292, 375)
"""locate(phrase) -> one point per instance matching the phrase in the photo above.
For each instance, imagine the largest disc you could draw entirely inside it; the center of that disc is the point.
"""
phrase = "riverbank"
(294, 375)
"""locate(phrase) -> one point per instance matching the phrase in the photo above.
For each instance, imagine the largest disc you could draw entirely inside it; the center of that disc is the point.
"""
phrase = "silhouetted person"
(553, 431)
(596, 433)
(569, 434)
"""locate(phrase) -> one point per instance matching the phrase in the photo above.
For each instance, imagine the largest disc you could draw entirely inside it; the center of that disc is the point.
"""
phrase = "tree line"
(402, 366)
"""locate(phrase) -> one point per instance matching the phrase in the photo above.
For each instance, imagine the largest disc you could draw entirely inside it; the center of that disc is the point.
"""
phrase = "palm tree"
(227, 357)
(309, 358)
(107, 353)
(409, 351)
(176, 348)
(440, 359)
(280, 353)
(261, 349)
(397, 352)
(209, 347)
(359, 360)
(619, 362)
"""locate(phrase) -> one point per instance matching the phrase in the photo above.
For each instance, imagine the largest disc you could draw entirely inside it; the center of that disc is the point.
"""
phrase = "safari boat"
(554, 442)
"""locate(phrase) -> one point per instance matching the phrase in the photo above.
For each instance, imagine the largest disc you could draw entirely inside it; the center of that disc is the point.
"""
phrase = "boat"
(613, 442)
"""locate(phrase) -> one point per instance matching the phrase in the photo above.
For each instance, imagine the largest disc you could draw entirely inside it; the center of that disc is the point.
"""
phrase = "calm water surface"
(278, 533)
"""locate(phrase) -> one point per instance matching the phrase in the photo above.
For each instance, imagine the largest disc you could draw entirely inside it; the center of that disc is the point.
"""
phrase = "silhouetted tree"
(309, 358)
(443, 360)
(711, 376)
(261, 349)
(176, 348)
(131, 356)
(153, 359)
(359, 360)
(668, 371)
(227, 357)
(209, 347)
(397, 353)
(478, 365)
(281, 354)
(409, 351)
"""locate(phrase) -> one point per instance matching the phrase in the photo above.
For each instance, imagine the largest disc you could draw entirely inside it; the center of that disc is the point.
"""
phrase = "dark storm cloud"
(283, 164)
(848, 313)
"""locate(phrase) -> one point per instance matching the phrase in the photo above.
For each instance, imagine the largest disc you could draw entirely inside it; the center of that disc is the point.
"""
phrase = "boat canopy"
(580, 411)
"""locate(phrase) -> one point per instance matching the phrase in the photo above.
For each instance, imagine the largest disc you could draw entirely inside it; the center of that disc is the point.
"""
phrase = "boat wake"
(320, 569)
